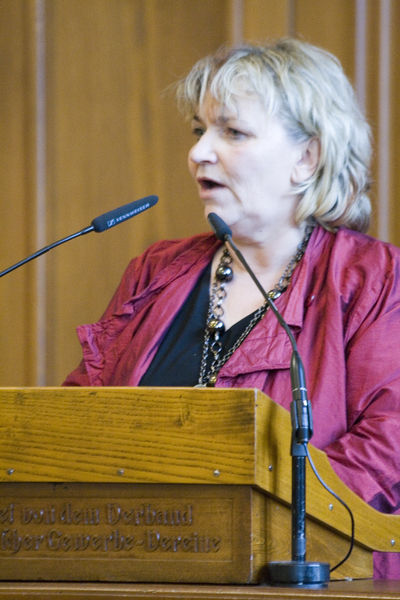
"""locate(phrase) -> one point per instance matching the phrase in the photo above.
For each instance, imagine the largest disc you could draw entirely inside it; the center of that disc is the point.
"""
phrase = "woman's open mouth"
(207, 184)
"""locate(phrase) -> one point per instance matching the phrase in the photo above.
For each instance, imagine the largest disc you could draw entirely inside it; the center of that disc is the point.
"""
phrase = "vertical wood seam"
(237, 27)
(40, 166)
(291, 18)
(360, 58)
(384, 118)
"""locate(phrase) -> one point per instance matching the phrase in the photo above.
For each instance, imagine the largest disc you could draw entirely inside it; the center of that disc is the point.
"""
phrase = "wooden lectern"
(155, 485)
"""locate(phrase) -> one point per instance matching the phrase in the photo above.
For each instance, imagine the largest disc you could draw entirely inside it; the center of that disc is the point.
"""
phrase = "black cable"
(341, 502)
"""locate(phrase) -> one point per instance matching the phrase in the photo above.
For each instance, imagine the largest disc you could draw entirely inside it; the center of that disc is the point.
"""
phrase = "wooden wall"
(87, 123)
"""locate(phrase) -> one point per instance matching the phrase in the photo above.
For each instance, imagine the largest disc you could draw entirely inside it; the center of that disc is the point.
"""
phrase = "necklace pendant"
(224, 273)
(212, 380)
(216, 327)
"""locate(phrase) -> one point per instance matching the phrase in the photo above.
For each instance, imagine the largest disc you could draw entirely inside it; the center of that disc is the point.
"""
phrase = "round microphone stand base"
(296, 574)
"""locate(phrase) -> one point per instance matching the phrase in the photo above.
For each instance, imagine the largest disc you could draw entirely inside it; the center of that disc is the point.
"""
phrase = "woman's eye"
(235, 133)
(198, 131)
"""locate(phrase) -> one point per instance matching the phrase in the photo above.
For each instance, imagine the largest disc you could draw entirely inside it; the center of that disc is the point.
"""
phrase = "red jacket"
(343, 306)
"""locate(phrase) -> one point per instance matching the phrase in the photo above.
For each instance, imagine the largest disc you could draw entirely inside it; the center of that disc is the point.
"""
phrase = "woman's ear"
(308, 161)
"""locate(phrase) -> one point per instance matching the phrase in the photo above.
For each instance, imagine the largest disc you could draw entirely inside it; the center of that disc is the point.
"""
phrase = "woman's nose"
(204, 150)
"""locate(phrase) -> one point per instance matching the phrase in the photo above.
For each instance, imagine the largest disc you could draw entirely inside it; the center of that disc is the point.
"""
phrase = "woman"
(282, 156)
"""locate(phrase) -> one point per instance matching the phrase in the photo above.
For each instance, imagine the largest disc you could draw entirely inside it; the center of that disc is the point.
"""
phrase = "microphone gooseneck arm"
(99, 224)
(296, 572)
(45, 249)
(301, 417)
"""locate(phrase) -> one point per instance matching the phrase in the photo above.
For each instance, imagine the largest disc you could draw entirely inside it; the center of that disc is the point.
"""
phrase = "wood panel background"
(88, 122)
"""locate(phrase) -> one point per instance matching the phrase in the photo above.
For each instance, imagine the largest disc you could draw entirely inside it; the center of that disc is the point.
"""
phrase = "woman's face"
(245, 166)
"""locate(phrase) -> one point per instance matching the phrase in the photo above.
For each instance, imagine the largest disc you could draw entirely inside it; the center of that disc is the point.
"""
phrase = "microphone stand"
(297, 572)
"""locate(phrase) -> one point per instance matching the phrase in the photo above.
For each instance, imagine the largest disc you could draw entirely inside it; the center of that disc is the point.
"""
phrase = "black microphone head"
(221, 229)
(118, 215)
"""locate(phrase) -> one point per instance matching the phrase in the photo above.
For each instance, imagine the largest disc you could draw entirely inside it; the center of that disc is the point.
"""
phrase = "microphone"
(118, 215)
(99, 224)
(296, 572)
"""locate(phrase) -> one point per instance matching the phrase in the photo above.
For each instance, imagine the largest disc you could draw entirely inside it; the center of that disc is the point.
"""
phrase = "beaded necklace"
(215, 328)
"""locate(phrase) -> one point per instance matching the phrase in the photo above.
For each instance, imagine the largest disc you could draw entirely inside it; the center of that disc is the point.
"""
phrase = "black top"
(177, 361)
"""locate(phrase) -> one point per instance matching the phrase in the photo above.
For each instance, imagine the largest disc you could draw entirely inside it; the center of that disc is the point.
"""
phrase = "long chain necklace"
(215, 328)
